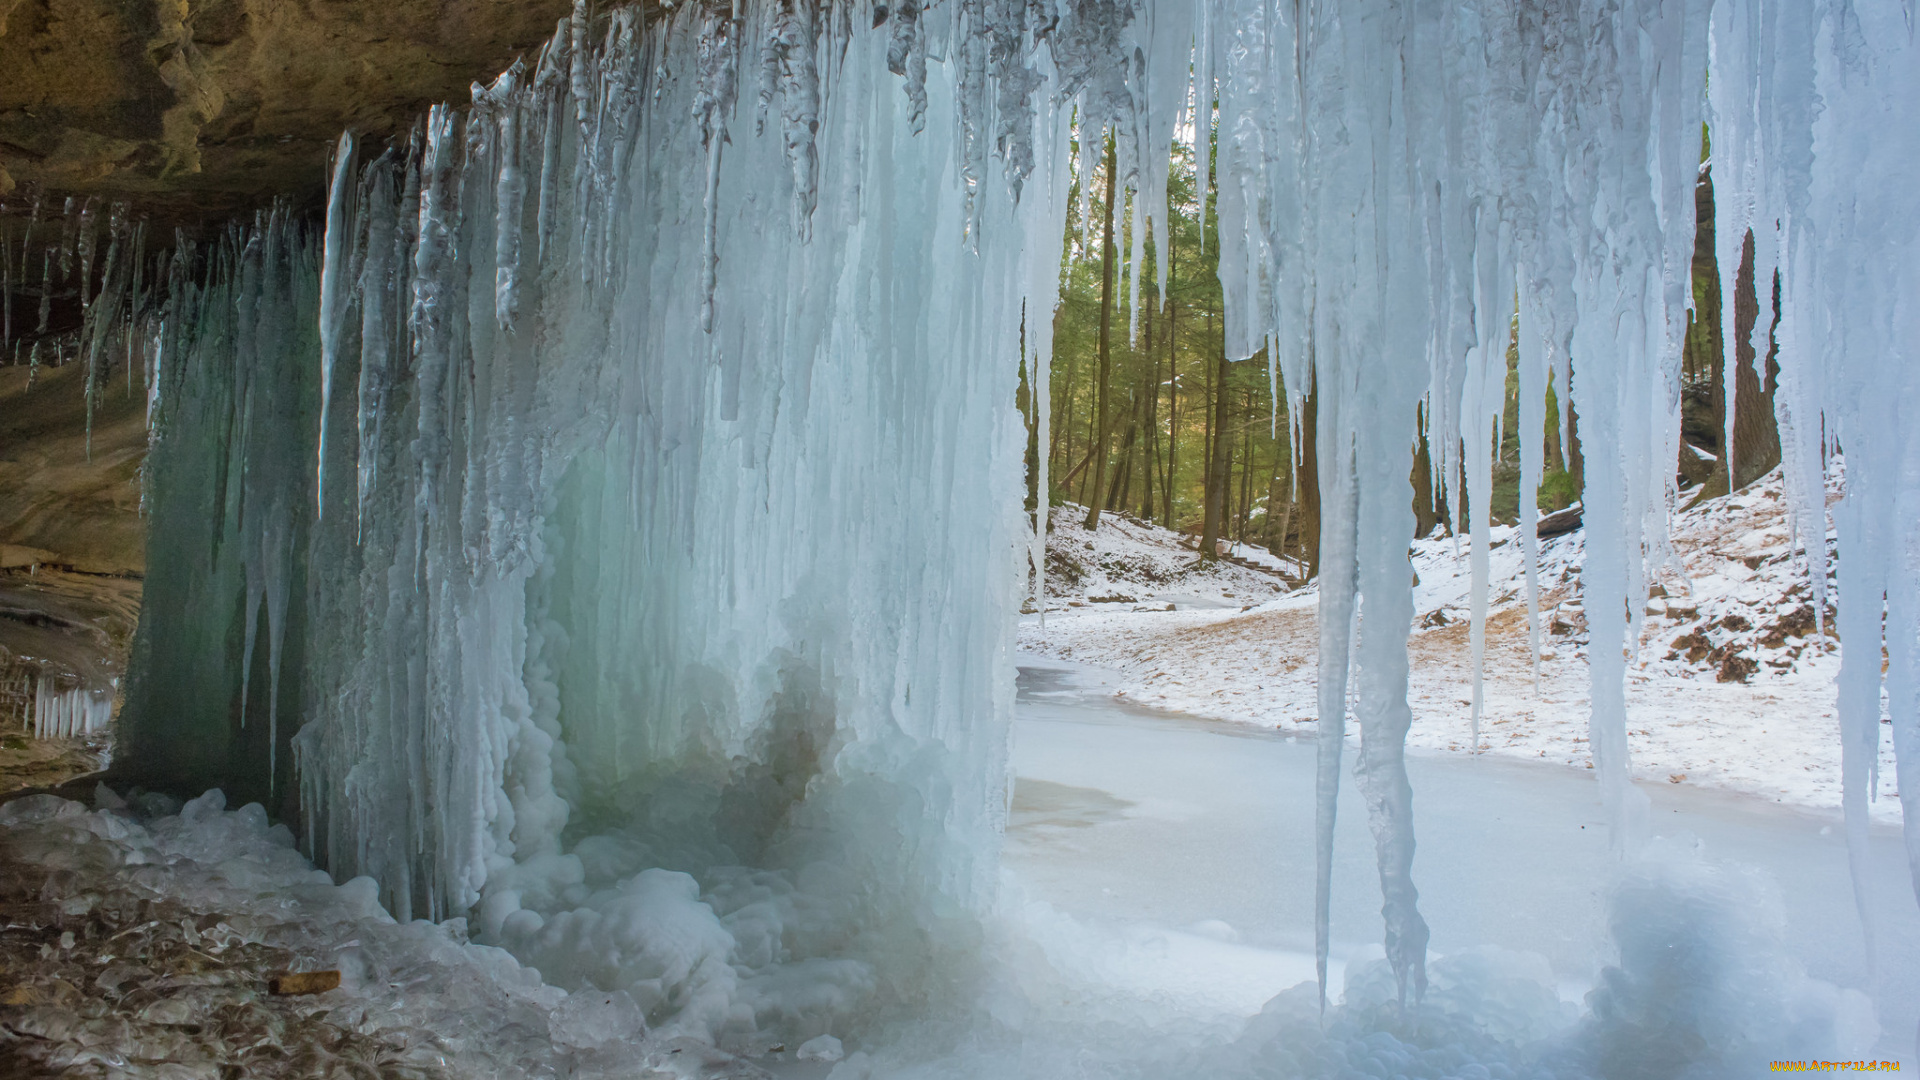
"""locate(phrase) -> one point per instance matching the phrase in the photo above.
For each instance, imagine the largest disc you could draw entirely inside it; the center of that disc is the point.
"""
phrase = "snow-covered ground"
(1127, 565)
(1731, 688)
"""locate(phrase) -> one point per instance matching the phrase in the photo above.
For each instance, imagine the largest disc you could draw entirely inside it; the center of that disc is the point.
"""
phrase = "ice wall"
(623, 484)
(1404, 186)
(624, 510)
(1393, 177)
(1808, 106)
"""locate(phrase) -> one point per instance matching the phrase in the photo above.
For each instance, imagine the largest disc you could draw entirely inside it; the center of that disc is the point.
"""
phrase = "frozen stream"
(1191, 842)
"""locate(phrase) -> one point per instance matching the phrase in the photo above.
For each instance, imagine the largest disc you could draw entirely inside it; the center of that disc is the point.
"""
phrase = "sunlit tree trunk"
(1103, 419)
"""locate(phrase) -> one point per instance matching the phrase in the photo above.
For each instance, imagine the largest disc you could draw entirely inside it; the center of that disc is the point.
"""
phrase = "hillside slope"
(1731, 687)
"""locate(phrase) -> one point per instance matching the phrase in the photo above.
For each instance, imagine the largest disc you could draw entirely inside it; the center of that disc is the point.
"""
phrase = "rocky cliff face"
(193, 110)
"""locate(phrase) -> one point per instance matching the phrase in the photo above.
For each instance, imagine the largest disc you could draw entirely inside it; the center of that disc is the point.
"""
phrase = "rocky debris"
(140, 939)
(27, 762)
(115, 984)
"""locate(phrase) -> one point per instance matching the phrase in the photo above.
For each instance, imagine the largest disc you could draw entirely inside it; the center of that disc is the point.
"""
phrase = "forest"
(1152, 420)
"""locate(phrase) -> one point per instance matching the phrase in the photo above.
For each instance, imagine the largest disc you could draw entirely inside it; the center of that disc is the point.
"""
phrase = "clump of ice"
(1704, 984)
(820, 1048)
(590, 1019)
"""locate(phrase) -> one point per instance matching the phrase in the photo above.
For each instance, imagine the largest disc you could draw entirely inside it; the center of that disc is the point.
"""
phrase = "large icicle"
(1806, 101)
(333, 298)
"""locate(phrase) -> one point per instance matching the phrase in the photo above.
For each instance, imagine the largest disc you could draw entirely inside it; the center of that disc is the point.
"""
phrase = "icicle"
(68, 713)
(549, 74)
(385, 247)
(907, 55)
(100, 315)
(88, 224)
(46, 292)
(67, 224)
(431, 317)
(1203, 139)
(26, 238)
(510, 193)
(791, 47)
(719, 71)
(1481, 403)
(1533, 421)
(333, 301)
(972, 46)
(581, 67)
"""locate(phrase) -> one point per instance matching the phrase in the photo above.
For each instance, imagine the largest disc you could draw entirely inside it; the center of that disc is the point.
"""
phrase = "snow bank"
(1125, 561)
(1731, 687)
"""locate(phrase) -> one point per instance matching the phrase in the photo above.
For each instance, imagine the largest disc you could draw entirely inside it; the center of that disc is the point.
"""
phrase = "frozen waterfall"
(625, 481)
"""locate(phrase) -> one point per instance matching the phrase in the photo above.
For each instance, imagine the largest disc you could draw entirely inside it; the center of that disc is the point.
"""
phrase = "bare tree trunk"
(1030, 416)
(1061, 452)
(1426, 512)
(1103, 426)
(1150, 452)
(1123, 470)
(1246, 471)
(1278, 545)
(1756, 437)
(1173, 409)
(1219, 464)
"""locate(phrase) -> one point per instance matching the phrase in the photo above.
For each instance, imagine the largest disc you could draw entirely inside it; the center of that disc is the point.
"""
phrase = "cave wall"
(196, 111)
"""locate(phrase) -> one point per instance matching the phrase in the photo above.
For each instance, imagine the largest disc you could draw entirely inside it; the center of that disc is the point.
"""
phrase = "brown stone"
(196, 110)
(289, 983)
(1736, 668)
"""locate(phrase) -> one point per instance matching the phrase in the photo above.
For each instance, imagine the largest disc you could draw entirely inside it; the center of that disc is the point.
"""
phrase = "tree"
(1756, 437)
(1103, 415)
(1219, 464)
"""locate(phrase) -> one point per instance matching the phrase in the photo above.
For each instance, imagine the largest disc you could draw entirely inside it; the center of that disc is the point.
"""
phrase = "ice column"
(685, 529)
(1806, 130)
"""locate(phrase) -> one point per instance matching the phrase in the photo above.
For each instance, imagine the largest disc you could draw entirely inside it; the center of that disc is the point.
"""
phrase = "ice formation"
(583, 630)
(684, 531)
(62, 713)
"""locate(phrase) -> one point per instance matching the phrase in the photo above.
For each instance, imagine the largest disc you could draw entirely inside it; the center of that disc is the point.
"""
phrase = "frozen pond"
(1191, 843)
